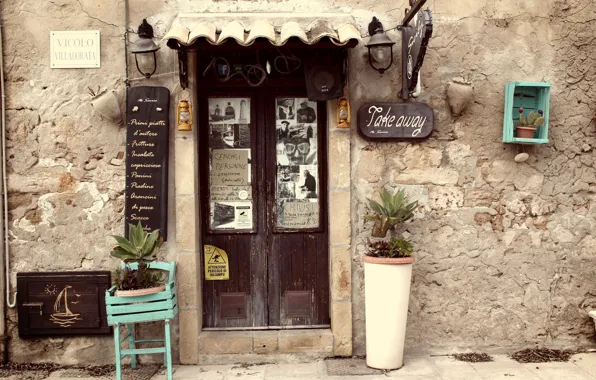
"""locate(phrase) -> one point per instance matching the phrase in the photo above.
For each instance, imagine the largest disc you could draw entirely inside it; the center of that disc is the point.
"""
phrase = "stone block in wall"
(185, 170)
(229, 342)
(341, 273)
(189, 326)
(186, 220)
(305, 341)
(370, 165)
(340, 228)
(341, 325)
(265, 342)
(188, 279)
(339, 158)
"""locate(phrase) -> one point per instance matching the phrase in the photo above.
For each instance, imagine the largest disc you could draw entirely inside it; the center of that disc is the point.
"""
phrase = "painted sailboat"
(62, 315)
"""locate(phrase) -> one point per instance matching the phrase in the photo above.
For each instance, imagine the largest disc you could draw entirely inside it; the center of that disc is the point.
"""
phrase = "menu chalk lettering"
(147, 138)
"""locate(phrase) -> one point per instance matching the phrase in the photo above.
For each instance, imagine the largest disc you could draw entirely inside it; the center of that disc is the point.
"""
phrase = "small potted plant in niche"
(135, 277)
(387, 273)
(528, 125)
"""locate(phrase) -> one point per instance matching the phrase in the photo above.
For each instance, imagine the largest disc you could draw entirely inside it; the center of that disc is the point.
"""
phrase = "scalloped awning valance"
(278, 28)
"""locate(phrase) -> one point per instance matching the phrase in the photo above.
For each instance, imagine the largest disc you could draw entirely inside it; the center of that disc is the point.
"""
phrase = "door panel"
(239, 301)
(279, 275)
(298, 263)
(298, 256)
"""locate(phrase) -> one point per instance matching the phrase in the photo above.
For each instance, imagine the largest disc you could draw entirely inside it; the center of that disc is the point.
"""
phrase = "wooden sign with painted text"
(398, 121)
(147, 139)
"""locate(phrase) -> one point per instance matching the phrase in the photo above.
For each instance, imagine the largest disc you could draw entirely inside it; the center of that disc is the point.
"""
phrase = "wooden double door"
(263, 177)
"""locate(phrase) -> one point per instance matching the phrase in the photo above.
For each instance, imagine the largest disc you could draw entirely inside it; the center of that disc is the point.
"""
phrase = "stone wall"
(502, 249)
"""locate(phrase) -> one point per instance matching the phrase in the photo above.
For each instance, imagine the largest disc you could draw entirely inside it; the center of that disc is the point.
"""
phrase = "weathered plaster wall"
(65, 169)
(503, 249)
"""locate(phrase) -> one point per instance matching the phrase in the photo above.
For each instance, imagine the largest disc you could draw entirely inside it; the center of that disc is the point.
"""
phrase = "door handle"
(35, 304)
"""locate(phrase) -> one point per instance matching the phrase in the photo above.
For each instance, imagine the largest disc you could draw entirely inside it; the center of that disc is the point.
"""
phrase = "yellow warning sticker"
(216, 263)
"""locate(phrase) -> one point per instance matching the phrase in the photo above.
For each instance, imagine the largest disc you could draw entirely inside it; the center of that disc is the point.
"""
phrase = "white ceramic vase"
(107, 105)
(387, 292)
(459, 94)
(593, 315)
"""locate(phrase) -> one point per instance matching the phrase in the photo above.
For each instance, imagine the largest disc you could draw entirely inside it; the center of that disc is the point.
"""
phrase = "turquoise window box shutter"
(126, 311)
(531, 96)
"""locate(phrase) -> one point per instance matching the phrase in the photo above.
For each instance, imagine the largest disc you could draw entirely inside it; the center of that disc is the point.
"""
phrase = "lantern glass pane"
(381, 54)
(146, 61)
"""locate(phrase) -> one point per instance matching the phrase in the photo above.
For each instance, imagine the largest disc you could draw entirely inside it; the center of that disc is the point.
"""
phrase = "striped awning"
(277, 28)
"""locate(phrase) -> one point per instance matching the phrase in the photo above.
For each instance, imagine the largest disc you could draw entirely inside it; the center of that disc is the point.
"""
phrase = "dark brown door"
(264, 202)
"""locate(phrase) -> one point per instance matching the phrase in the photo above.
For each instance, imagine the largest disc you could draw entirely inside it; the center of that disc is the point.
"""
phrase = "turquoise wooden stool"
(162, 306)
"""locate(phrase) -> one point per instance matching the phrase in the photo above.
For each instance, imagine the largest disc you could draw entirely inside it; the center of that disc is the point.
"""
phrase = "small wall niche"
(532, 97)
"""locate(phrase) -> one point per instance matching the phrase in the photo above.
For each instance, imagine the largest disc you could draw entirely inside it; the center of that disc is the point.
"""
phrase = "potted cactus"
(528, 125)
(387, 266)
(135, 277)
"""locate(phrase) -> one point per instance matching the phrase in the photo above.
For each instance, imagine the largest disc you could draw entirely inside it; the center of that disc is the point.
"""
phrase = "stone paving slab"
(586, 362)
(580, 367)
(502, 368)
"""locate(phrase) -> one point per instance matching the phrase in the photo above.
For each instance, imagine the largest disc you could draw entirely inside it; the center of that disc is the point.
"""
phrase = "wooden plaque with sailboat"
(62, 303)
(62, 315)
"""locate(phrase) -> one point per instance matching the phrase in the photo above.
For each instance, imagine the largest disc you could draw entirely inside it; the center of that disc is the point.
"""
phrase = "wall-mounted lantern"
(144, 50)
(414, 42)
(380, 47)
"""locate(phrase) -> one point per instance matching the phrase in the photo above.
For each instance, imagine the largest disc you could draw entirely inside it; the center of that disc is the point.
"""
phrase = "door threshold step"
(266, 328)
(313, 342)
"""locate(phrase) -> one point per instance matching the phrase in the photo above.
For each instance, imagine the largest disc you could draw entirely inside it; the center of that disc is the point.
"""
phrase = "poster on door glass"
(231, 215)
(297, 185)
(230, 167)
(229, 123)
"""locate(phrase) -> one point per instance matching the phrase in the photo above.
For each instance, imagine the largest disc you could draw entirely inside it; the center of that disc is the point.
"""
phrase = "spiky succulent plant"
(396, 247)
(140, 245)
(394, 209)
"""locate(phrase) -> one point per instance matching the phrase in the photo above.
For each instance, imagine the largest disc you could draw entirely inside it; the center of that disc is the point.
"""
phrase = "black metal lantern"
(144, 47)
(380, 47)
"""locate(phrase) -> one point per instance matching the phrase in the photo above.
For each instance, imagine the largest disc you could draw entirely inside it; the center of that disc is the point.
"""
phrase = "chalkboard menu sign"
(147, 123)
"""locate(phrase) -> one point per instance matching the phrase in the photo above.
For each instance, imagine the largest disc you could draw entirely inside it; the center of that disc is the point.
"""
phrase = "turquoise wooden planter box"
(532, 96)
(126, 311)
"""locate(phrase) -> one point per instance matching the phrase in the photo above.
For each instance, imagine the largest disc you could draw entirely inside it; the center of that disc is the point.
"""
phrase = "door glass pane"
(297, 190)
(230, 183)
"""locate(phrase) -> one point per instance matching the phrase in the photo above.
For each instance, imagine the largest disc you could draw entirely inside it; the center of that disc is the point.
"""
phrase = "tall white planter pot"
(387, 292)
(593, 315)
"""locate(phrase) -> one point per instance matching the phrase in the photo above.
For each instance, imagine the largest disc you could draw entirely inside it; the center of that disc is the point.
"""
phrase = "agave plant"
(394, 209)
(140, 245)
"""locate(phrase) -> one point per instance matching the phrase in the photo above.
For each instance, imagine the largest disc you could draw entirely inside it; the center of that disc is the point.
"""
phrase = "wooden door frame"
(188, 245)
